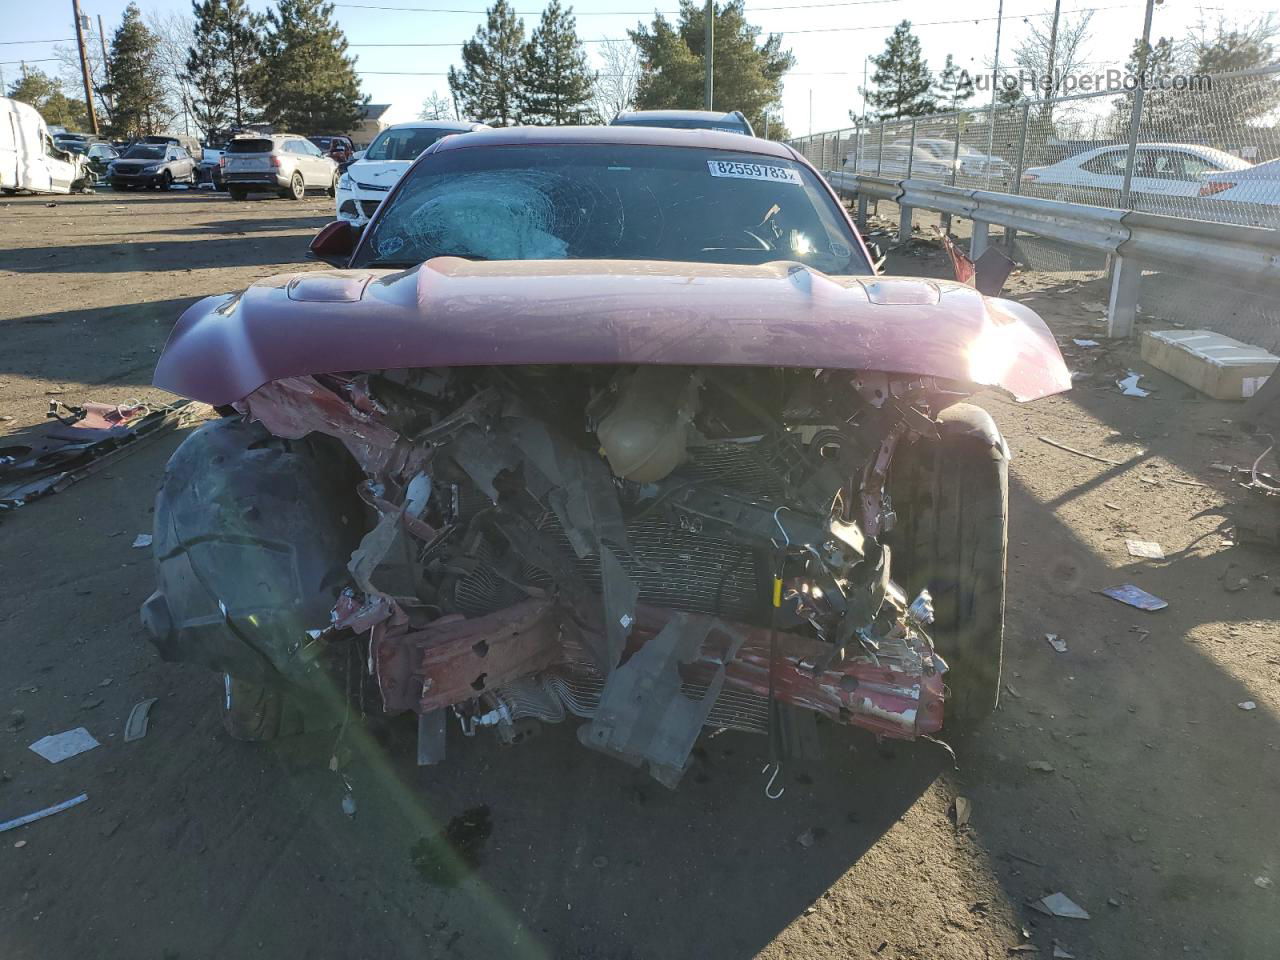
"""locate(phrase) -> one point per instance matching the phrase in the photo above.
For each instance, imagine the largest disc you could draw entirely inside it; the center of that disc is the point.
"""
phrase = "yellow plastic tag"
(777, 591)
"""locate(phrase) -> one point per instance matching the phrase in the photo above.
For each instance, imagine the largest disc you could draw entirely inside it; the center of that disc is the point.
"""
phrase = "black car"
(158, 165)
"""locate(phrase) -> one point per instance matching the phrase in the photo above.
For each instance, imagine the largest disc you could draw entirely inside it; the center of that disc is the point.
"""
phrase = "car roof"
(464, 125)
(631, 135)
(683, 114)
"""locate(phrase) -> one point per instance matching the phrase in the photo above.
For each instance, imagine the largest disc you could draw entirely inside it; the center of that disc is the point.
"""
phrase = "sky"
(830, 38)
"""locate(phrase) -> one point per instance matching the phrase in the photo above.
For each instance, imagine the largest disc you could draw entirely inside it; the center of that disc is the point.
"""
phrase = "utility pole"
(995, 86)
(709, 57)
(84, 67)
(811, 111)
(102, 39)
(1053, 55)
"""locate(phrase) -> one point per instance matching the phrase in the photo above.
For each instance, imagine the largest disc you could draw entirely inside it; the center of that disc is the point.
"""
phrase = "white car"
(1166, 176)
(1250, 196)
(375, 170)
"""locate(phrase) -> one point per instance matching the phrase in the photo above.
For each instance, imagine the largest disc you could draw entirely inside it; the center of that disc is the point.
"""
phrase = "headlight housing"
(345, 182)
(154, 168)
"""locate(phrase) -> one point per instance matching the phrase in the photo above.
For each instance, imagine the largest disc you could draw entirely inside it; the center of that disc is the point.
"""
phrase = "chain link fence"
(1207, 149)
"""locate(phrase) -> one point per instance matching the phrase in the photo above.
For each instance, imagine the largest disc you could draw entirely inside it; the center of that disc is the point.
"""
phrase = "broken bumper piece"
(681, 672)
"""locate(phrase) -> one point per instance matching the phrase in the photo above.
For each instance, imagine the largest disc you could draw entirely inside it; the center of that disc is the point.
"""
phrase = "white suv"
(375, 170)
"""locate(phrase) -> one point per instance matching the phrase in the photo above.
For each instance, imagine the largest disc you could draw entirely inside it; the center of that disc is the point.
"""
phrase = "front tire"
(297, 188)
(166, 181)
(952, 502)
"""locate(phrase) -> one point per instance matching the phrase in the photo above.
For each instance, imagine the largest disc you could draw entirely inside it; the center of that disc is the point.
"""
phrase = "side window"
(1193, 165)
(1166, 165)
(178, 153)
(1111, 163)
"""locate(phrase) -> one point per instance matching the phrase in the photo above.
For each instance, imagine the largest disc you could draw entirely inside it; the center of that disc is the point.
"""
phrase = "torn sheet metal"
(135, 727)
(455, 659)
(643, 716)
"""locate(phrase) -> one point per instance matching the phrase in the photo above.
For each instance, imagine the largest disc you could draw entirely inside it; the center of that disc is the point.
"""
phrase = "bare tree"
(436, 107)
(618, 79)
(173, 31)
(69, 73)
(1050, 52)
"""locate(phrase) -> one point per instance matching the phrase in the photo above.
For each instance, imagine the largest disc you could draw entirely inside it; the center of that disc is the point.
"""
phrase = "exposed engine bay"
(654, 550)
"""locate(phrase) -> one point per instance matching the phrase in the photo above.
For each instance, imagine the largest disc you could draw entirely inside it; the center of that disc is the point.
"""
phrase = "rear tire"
(952, 502)
(252, 536)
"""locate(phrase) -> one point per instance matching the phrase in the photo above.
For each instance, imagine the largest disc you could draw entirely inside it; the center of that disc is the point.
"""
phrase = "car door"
(183, 167)
(322, 170)
(59, 171)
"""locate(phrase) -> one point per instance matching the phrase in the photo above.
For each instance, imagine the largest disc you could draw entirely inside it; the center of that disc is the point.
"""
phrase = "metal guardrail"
(1244, 255)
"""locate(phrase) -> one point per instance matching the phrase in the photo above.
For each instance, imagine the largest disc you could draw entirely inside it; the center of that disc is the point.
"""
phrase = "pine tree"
(902, 78)
(954, 87)
(487, 88)
(306, 82)
(746, 75)
(206, 67)
(240, 44)
(555, 81)
(45, 94)
(135, 89)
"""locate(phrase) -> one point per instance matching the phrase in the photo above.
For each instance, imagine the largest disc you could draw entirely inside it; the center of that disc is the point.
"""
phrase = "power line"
(614, 13)
(8, 43)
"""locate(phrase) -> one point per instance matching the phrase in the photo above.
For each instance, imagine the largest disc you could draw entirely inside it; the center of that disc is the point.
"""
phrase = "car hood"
(454, 312)
(378, 173)
(127, 165)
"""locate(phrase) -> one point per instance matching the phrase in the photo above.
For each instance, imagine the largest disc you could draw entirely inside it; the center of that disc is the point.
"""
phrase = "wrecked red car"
(617, 424)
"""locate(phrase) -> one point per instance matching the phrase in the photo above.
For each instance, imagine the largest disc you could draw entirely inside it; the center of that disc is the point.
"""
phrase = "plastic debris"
(1135, 597)
(1043, 766)
(1129, 385)
(807, 839)
(142, 540)
(1084, 343)
(1145, 548)
(1056, 642)
(41, 814)
(60, 746)
(1247, 705)
(1263, 883)
(1012, 691)
(135, 728)
(1060, 905)
(1062, 953)
(349, 804)
(964, 809)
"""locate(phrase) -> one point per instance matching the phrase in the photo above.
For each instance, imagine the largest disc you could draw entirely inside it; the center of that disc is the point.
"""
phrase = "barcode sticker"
(739, 170)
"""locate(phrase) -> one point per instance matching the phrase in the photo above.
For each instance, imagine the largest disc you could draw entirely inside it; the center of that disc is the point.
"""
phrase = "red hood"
(451, 312)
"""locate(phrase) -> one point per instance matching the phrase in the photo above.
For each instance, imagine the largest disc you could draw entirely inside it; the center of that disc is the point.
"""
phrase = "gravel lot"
(1156, 815)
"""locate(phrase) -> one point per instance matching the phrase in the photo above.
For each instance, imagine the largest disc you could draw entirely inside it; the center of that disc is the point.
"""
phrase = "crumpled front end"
(654, 550)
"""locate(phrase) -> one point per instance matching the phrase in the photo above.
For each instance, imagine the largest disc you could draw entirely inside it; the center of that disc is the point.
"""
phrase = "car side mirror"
(335, 243)
(358, 155)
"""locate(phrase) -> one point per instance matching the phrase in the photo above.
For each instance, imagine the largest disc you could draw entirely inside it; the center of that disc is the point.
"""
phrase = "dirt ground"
(1155, 810)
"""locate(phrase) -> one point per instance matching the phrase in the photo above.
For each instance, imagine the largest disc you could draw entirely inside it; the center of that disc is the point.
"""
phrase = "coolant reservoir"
(646, 433)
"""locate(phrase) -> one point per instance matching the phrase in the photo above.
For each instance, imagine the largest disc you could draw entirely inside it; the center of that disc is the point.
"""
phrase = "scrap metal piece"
(643, 716)
(135, 728)
(619, 593)
(431, 743)
(41, 814)
(61, 746)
